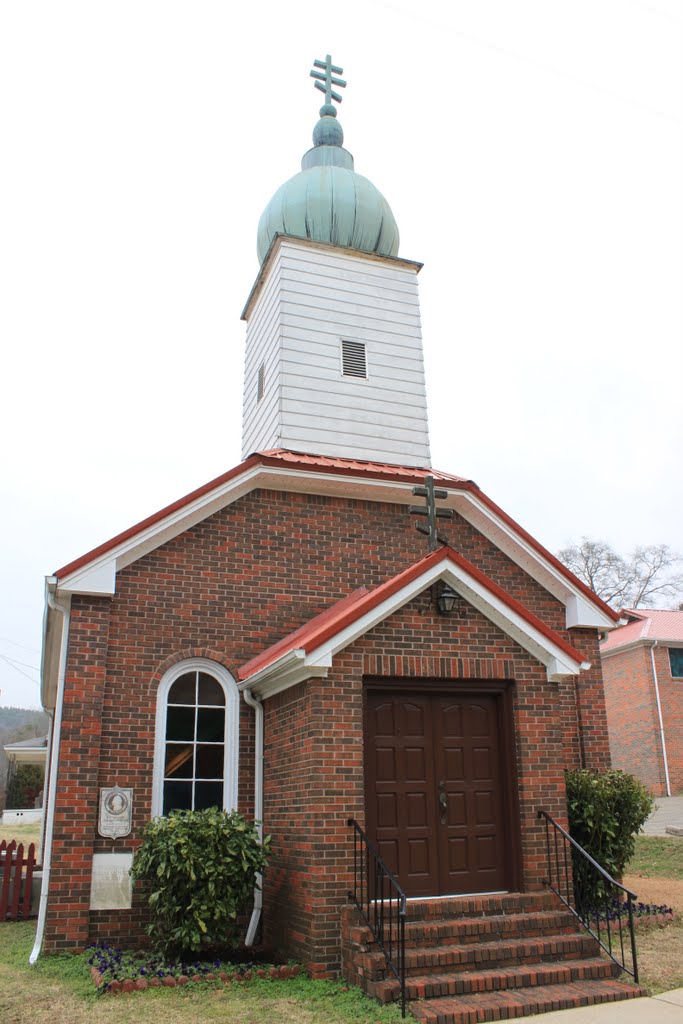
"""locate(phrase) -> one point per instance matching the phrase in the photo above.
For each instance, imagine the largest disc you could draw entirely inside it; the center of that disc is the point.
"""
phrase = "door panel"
(400, 787)
(467, 763)
(434, 798)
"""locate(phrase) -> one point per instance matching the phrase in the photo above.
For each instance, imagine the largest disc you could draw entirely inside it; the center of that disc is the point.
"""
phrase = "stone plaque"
(116, 812)
(112, 886)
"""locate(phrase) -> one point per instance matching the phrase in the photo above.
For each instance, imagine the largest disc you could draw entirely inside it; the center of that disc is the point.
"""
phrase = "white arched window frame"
(230, 735)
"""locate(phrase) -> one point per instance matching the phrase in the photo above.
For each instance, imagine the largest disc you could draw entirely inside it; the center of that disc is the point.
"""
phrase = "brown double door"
(434, 790)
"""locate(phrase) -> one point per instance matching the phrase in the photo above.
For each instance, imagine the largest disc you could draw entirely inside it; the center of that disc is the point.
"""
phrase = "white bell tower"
(334, 361)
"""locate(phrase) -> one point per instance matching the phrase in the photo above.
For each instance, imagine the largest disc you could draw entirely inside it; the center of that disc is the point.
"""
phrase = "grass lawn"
(656, 875)
(658, 857)
(25, 834)
(59, 989)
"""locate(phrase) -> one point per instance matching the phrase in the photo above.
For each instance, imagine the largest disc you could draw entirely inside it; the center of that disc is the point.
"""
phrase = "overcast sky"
(531, 152)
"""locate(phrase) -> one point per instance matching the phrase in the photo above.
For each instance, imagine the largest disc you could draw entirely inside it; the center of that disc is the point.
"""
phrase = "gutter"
(661, 720)
(65, 612)
(46, 785)
(255, 703)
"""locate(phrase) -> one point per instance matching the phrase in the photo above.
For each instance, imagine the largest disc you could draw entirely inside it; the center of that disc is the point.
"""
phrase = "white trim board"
(99, 576)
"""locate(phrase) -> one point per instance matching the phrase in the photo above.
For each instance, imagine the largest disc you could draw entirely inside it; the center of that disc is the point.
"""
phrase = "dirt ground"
(662, 891)
(660, 949)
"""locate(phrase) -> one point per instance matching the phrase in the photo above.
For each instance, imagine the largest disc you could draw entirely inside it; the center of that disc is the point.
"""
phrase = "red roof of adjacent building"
(646, 624)
(333, 620)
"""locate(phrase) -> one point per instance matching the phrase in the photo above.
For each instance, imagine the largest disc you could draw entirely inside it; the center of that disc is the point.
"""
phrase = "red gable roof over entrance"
(347, 611)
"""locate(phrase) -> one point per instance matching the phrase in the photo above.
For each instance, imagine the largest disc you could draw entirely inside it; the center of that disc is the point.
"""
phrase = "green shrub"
(199, 867)
(24, 786)
(606, 812)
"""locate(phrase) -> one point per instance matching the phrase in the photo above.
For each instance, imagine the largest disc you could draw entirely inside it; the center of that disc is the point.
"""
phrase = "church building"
(332, 631)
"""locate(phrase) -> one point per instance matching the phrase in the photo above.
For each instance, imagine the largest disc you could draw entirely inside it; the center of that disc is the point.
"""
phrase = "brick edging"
(227, 977)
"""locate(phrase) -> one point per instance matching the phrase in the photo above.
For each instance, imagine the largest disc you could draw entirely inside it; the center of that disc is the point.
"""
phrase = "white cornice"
(98, 577)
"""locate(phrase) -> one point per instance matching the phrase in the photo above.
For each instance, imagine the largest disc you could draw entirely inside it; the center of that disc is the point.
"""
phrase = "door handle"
(443, 802)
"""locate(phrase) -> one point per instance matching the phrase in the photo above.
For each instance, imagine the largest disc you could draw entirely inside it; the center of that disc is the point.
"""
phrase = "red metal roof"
(282, 457)
(391, 470)
(333, 620)
(554, 561)
(274, 457)
(648, 624)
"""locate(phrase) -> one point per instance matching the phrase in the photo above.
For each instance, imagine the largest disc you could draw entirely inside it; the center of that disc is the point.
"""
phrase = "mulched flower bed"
(651, 913)
(643, 914)
(113, 970)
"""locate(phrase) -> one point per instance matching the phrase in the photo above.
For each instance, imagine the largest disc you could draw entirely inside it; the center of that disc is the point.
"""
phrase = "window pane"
(208, 794)
(211, 725)
(180, 724)
(209, 762)
(178, 761)
(210, 690)
(178, 796)
(676, 659)
(183, 690)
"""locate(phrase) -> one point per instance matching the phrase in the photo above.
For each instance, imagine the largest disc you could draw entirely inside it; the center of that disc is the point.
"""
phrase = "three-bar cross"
(431, 493)
(331, 70)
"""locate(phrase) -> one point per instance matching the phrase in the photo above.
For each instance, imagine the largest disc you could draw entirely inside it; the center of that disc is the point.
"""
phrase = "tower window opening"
(354, 362)
(261, 382)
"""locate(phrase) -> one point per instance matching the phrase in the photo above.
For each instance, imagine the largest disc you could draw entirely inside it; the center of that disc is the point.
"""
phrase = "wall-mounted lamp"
(446, 598)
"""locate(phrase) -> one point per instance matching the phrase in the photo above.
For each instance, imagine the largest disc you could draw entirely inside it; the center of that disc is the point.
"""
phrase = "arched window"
(197, 738)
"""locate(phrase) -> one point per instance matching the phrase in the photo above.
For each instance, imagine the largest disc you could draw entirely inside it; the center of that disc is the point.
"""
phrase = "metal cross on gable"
(328, 78)
(431, 493)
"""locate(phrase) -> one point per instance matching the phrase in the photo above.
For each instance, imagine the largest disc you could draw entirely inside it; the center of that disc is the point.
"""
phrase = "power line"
(15, 665)
(14, 643)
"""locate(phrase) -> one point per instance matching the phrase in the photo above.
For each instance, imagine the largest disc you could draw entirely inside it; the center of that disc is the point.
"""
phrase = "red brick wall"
(75, 821)
(591, 710)
(632, 717)
(224, 590)
(314, 743)
(671, 698)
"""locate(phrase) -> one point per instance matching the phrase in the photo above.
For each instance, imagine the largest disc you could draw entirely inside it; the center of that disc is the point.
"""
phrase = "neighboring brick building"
(642, 665)
(292, 603)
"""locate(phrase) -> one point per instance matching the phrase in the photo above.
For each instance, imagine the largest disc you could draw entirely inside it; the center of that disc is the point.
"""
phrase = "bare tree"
(649, 576)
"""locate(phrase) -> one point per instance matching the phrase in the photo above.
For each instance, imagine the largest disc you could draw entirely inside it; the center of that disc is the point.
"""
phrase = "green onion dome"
(328, 202)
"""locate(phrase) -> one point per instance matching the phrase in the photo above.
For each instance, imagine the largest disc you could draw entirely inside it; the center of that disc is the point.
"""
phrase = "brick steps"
(435, 985)
(479, 906)
(486, 958)
(473, 1009)
(487, 954)
(459, 931)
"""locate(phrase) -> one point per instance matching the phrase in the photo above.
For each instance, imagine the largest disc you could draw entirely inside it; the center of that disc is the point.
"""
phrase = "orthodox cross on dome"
(431, 493)
(329, 79)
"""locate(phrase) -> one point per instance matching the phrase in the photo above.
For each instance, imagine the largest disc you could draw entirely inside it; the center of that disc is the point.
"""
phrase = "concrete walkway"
(666, 1008)
(668, 811)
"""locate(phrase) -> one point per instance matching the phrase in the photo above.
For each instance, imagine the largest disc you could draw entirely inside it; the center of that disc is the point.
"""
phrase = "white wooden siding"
(312, 299)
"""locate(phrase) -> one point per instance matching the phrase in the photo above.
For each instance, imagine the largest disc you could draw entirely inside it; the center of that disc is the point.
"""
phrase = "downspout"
(52, 785)
(255, 703)
(46, 786)
(661, 720)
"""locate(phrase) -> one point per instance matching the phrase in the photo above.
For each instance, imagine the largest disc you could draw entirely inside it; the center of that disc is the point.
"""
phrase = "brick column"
(75, 822)
(590, 704)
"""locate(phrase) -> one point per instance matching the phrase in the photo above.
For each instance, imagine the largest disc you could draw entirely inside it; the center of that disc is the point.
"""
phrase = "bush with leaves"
(24, 786)
(606, 812)
(199, 867)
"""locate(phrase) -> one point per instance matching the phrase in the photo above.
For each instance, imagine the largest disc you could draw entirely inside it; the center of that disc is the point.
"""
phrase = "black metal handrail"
(591, 894)
(382, 904)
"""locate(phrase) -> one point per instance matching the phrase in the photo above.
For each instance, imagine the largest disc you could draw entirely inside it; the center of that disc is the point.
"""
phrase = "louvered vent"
(354, 363)
(260, 384)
